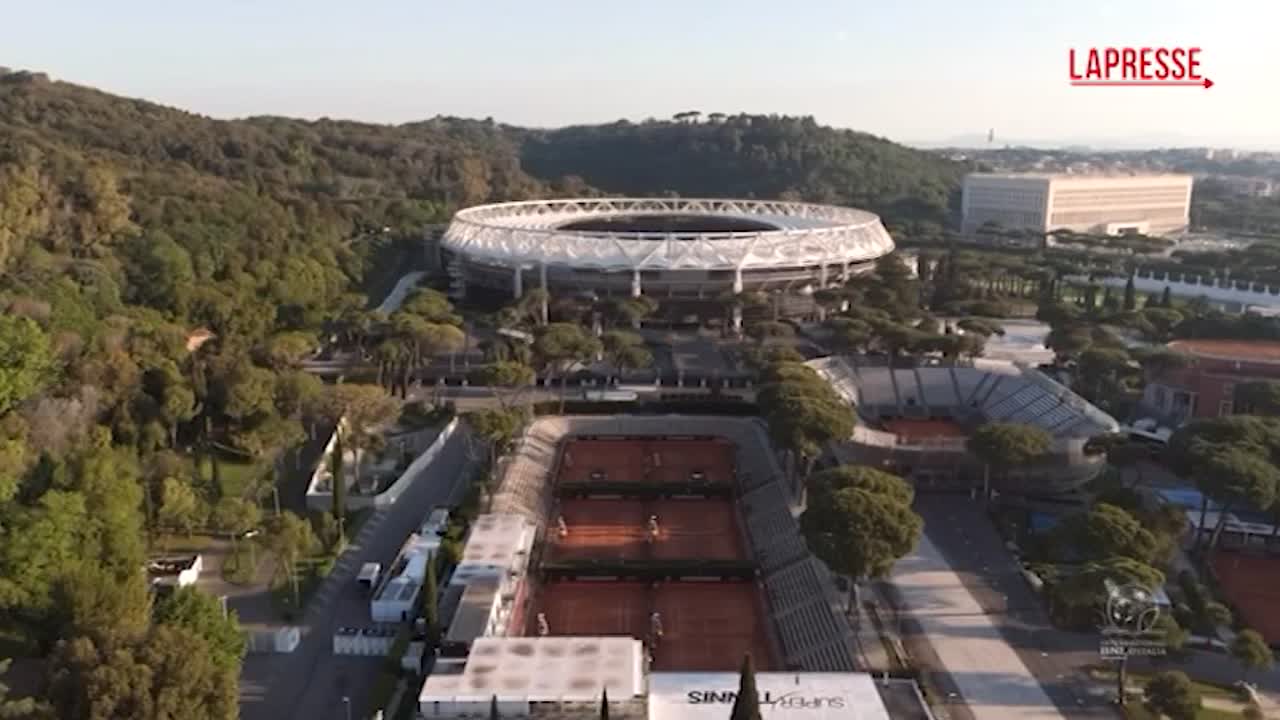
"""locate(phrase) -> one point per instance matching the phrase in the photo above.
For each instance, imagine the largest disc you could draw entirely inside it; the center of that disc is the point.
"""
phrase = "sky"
(916, 71)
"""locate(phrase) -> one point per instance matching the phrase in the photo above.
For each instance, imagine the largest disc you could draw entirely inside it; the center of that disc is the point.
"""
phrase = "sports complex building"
(1086, 203)
(915, 421)
(666, 548)
(1205, 387)
(677, 251)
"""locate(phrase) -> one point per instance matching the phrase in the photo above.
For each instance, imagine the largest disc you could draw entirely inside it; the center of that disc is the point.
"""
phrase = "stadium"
(666, 249)
(915, 421)
(654, 553)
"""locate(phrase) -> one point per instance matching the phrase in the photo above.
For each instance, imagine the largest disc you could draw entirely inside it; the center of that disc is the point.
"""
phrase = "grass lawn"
(237, 476)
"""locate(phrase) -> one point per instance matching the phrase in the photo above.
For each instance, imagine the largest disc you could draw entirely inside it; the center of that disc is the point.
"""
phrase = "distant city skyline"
(922, 73)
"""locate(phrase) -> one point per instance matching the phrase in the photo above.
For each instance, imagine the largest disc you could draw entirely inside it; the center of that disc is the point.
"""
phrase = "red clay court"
(921, 429)
(657, 460)
(1252, 584)
(706, 626)
(688, 528)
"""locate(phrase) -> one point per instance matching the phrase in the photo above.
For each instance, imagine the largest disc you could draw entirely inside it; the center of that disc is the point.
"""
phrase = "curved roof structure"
(524, 234)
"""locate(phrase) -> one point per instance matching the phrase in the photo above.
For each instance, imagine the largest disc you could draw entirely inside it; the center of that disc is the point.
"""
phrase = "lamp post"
(346, 703)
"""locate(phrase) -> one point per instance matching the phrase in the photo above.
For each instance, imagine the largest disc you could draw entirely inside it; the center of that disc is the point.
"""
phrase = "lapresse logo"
(790, 701)
(1136, 67)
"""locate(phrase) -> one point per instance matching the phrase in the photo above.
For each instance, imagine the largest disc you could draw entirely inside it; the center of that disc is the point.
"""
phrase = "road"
(311, 681)
(962, 537)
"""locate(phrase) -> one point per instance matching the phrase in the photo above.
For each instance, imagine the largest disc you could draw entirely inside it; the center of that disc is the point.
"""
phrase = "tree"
(235, 516)
(1108, 531)
(291, 537)
(203, 614)
(1166, 297)
(338, 473)
(1172, 695)
(498, 428)
(858, 532)
(1251, 651)
(746, 704)
(505, 379)
(26, 360)
(1258, 397)
(431, 602)
(1006, 446)
(287, 350)
(172, 673)
(604, 702)
(1130, 294)
(826, 482)
(181, 509)
(1237, 476)
(91, 600)
(359, 410)
(493, 708)
(625, 350)
(559, 346)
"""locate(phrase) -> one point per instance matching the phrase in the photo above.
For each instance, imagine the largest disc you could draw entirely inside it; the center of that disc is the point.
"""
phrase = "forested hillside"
(126, 226)
(752, 156)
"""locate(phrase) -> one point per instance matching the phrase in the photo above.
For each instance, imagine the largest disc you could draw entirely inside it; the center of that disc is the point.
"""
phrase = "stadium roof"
(527, 234)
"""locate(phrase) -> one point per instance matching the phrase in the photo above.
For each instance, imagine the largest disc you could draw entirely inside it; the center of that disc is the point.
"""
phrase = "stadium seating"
(992, 391)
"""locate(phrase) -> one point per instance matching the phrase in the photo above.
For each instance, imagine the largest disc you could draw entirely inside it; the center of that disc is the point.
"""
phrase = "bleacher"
(997, 392)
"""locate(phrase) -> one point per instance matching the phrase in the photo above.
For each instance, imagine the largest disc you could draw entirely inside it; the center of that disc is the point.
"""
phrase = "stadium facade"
(667, 249)
(915, 421)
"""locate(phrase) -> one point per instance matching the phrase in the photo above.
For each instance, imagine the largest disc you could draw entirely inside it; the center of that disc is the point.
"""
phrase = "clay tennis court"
(1252, 584)
(657, 460)
(688, 528)
(706, 626)
(920, 429)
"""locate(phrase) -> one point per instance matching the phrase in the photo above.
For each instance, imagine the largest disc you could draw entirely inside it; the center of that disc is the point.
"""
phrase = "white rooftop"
(496, 539)
(542, 669)
(783, 696)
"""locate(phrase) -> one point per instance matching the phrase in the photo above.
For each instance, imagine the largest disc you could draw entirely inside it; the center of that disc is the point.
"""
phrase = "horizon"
(928, 75)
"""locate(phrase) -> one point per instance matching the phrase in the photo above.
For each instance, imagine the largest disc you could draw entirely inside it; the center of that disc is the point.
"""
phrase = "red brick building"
(1206, 387)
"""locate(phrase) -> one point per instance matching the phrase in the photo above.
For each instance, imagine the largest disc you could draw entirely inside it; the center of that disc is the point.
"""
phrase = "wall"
(323, 501)
(1226, 292)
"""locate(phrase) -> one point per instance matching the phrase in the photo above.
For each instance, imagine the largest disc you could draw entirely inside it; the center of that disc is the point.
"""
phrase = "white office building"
(1106, 204)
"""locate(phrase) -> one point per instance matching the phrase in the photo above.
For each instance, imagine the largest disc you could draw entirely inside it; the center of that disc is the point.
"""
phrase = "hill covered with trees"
(752, 156)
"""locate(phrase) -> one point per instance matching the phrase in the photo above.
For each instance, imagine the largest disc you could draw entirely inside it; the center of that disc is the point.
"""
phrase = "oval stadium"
(666, 249)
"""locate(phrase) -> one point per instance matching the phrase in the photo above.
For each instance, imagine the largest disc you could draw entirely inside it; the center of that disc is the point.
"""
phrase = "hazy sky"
(912, 70)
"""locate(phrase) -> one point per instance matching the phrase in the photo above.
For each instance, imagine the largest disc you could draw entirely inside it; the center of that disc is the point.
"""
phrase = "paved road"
(311, 681)
(962, 537)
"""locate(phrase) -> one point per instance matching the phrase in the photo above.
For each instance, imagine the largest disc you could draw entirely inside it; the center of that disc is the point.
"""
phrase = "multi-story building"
(1110, 204)
(1206, 386)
